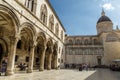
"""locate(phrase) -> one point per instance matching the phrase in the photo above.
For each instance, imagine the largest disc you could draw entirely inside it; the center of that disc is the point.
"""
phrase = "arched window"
(70, 41)
(61, 35)
(95, 41)
(31, 5)
(78, 42)
(111, 37)
(19, 44)
(51, 22)
(57, 29)
(43, 14)
(86, 42)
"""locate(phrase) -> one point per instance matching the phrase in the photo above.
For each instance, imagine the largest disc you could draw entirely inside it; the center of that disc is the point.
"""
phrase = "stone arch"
(39, 50)
(27, 37)
(9, 27)
(3, 49)
(48, 54)
(29, 26)
(54, 56)
(6, 13)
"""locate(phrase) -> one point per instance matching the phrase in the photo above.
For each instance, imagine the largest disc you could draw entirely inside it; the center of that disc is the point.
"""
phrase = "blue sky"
(79, 17)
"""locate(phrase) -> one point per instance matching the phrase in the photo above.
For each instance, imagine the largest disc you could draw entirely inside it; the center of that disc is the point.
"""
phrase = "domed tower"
(104, 24)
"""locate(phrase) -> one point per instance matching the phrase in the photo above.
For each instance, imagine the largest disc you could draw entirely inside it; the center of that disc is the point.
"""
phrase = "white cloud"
(105, 0)
(108, 6)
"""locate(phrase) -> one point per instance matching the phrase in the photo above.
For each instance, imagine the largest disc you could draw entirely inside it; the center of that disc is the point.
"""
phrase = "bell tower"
(104, 24)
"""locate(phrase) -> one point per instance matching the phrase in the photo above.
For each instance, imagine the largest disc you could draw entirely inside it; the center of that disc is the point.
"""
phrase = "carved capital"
(13, 39)
(32, 44)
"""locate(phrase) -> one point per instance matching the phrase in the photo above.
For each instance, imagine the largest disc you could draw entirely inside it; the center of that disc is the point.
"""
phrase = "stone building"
(100, 49)
(31, 33)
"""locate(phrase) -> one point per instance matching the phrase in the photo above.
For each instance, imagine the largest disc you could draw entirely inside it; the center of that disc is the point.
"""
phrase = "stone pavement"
(99, 74)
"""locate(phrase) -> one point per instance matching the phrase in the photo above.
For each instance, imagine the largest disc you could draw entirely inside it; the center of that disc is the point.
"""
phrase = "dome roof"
(103, 18)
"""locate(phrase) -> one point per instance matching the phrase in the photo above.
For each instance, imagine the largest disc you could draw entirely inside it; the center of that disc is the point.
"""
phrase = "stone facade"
(100, 49)
(31, 33)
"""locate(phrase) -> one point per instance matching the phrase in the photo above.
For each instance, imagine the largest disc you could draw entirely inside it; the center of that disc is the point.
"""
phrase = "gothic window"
(86, 42)
(38, 50)
(58, 60)
(70, 41)
(19, 44)
(16, 58)
(27, 59)
(31, 5)
(95, 41)
(61, 60)
(43, 14)
(37, 60)
(57, 29)
(51, 23)
(111, 37)
(77, 42)
(61, 34)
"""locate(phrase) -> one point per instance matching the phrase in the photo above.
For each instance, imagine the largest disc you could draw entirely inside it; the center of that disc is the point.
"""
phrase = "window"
(16, 58)
(61, 34)
(86, 42)
(43, 14)
(77, 42)
(70, 41)
(51, 22)
(57, 29)
(59, 60)
(19, 44)
(95, 41)
(31, 5)
(37, 60)
(27, 59)
(111, 37)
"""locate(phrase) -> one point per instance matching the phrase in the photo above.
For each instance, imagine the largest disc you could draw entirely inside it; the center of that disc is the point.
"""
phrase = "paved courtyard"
(99, 74)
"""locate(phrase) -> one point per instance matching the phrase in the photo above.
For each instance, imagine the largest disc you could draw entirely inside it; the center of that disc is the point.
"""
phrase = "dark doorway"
(1, 52)
(99, 60)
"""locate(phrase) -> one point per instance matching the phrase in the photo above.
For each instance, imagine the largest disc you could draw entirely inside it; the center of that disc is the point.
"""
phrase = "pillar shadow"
(104, 74)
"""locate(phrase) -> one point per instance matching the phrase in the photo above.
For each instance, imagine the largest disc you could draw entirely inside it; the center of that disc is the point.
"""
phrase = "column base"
(29, 71)
(48, 68)
(41, 69)
(9, 73)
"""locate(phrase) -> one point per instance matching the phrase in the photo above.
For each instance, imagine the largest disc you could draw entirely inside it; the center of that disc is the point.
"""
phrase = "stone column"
(11, 55)
(42, 58)
(49, 59)
(55, 62)
(31, 59)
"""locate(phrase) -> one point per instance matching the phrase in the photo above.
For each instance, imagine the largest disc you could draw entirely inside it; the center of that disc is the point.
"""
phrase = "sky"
(79, 17)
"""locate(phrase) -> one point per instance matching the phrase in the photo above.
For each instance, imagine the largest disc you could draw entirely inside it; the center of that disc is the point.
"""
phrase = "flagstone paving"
(65, 74)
